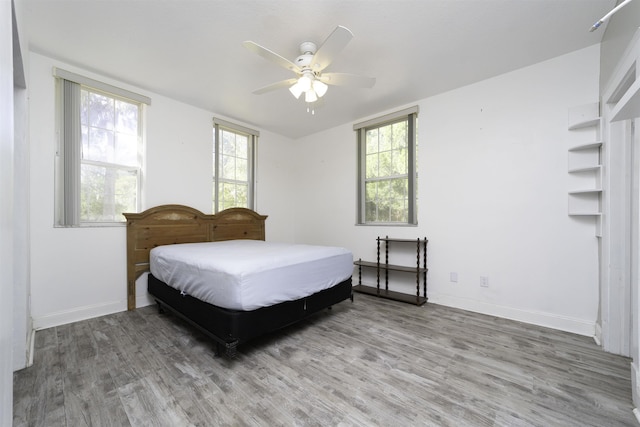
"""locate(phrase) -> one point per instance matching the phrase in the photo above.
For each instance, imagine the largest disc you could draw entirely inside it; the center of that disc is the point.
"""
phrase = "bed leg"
(351, 297)
(232, 349)
(229, 349)
(160, 307)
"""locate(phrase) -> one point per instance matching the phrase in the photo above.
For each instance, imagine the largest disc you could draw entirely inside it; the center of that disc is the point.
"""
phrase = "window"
(99, 157)
(387, 173)
(233, 166)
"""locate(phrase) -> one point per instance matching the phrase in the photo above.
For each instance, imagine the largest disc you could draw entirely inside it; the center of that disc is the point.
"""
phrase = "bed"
(170, 241)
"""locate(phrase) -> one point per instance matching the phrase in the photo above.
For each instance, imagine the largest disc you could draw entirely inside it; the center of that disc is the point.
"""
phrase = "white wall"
(492, 187)
(78, 273)
(6, 217)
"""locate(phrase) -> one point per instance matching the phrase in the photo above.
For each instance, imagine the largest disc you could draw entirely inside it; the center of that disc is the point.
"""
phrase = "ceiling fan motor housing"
(307, 50)
(303, 61)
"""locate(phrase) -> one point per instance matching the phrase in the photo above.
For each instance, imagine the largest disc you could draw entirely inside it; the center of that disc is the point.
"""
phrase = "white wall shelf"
(584, 156)
(587, 146)
(584, 116)
(584, 124)
(585, 203)
(587, 191)
(586, 169)
(585, 164)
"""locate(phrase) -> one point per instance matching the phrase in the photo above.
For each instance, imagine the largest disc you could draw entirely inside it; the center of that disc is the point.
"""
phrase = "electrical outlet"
(484, 281)
(453, 277)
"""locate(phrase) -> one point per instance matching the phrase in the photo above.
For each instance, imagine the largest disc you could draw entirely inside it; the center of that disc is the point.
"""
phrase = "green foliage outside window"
(106, 193)
(386, 173)
(233, 169)
(110, 169)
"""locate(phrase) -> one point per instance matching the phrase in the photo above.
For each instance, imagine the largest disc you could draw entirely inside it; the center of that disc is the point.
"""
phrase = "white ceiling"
(191, 50)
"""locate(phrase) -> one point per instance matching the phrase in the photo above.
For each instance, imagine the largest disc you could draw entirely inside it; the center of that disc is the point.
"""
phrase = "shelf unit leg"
(378, 269)
(424, 265)
(386, 262)
(418, 270)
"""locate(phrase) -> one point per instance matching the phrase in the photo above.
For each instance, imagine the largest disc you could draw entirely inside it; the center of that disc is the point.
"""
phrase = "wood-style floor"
(368, 363)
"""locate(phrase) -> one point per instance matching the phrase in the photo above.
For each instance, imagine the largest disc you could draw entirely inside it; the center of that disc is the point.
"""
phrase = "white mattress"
(249, 274)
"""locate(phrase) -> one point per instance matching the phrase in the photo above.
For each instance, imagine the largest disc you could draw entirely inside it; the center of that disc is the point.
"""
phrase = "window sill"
(385, 224)
(94, 225)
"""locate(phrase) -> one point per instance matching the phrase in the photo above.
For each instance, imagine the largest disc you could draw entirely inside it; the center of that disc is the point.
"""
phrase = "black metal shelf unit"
(418, 270)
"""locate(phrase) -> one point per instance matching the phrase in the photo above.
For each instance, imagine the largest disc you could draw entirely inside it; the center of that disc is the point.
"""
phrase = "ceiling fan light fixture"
(296, 90)
(310, 96)
(320, 88)
(305, 83)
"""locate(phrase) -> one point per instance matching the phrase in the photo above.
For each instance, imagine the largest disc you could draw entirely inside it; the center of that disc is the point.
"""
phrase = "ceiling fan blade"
(271, 56)
(274, 86)
(331, 47)
(346, 79)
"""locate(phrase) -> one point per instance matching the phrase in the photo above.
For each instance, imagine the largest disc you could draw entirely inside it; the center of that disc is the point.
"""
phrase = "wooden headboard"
(171, 224)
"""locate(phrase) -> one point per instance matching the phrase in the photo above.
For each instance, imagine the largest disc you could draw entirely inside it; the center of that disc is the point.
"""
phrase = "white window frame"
(411, 116)
(68, 190)
(252, 136)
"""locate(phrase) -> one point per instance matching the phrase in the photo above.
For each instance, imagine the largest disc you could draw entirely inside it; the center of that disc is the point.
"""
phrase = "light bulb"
(310, 96)
(320, 88)
(305, 83)
(296, 90)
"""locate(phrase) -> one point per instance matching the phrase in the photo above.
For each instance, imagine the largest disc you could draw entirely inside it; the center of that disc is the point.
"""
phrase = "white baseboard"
(554, 321)
(77, 314)
(144, 299)
(87, 312)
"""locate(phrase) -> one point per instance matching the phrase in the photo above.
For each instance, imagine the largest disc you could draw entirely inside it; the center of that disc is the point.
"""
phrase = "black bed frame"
(229, 328)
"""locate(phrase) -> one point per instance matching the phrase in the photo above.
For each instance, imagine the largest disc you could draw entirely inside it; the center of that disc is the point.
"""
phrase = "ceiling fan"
(310, 65)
